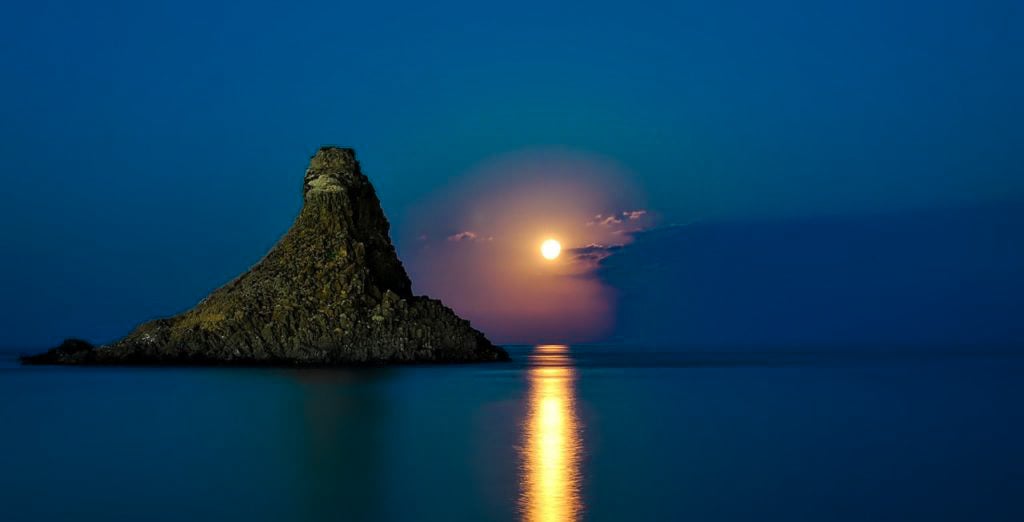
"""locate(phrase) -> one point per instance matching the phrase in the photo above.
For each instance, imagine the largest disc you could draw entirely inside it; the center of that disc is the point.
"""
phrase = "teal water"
(589, 432)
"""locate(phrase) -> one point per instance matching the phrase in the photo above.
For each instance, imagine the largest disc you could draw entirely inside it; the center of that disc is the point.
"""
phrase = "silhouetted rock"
(332, 291)
(70, 349)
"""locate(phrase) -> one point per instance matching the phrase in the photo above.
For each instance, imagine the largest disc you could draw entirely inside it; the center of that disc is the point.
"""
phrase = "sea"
(561, 433)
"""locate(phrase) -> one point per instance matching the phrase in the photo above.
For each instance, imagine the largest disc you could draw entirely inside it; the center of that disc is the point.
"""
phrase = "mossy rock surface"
(331, 291)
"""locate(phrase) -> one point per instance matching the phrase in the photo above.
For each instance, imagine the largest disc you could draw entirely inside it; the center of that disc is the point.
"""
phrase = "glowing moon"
(550, 249)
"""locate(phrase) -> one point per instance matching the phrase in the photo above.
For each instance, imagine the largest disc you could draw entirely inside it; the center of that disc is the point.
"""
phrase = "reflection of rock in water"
(346, 416)
(552, 445)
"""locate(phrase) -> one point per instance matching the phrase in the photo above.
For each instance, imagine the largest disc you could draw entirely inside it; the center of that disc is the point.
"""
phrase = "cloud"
(617, 218)
(909, 265)
(466, 235)
(593, 252)
(604, 221)
(620, 227)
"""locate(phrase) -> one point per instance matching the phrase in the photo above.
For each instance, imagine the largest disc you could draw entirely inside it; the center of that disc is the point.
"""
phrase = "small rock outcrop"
(331, 291)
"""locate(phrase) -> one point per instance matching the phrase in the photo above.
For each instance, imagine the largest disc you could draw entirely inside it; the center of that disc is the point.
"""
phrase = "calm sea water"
(597, 433)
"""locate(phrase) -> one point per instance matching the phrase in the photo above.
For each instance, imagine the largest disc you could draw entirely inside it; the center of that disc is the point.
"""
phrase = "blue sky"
(149, 151)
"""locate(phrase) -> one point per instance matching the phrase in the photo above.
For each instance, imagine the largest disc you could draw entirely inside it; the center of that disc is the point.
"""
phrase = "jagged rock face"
(332, 291)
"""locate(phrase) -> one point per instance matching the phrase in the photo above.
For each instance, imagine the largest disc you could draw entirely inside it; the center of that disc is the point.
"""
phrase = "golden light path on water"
(552, 443)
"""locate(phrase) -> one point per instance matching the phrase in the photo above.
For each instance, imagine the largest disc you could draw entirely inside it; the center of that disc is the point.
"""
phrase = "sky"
(150, 151)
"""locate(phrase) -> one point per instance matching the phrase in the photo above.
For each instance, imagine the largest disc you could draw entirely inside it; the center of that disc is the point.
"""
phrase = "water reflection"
(341, 444)
(552, 444)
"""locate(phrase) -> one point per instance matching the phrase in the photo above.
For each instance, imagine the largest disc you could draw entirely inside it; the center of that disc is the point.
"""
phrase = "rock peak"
(331, 291)
(331, 169)
(332, 157)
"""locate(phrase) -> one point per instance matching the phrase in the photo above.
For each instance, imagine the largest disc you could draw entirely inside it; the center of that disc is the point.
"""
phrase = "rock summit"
(332, 291)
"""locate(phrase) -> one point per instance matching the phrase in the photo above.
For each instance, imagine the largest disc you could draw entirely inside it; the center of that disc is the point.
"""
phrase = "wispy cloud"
(617, 218)
(593, 252)
(466, 235)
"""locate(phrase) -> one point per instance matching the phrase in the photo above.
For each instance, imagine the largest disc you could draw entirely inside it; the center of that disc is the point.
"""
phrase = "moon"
(550, 249)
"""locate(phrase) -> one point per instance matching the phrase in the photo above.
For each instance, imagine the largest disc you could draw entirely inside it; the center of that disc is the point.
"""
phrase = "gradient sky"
(150, 151)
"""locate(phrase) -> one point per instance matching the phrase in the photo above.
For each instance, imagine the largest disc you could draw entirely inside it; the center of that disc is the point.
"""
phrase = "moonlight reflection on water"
(552, 444)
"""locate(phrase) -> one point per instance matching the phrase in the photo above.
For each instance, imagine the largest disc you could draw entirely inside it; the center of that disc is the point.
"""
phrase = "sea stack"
(332, 291)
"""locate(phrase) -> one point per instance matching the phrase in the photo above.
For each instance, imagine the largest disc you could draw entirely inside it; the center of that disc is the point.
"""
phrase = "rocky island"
(332, 291)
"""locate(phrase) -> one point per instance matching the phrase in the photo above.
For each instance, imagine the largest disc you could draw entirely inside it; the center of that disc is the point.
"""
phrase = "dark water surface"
(599, 433)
